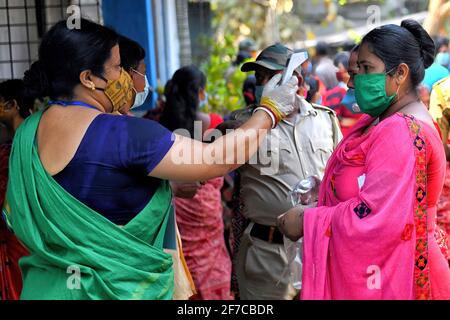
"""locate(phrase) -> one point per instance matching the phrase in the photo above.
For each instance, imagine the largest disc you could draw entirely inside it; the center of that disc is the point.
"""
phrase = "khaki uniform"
(302, 147)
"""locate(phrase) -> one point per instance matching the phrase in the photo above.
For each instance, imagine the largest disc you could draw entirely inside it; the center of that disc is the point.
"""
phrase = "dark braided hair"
(182, 102)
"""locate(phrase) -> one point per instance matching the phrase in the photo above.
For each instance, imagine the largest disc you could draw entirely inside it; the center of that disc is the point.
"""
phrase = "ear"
(402, 73)
(13, 105)
(86, 80)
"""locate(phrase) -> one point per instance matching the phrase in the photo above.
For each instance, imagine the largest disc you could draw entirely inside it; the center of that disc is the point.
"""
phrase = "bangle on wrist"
(272, 106)
(270, 113)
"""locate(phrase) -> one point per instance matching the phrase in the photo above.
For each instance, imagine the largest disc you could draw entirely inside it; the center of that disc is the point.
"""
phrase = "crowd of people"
(101, 204)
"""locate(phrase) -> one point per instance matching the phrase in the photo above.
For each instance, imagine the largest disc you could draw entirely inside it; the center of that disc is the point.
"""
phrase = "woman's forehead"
(365, 55)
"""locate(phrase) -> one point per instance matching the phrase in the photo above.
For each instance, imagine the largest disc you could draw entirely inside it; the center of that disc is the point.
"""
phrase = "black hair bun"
(427, 46)
(36, 82)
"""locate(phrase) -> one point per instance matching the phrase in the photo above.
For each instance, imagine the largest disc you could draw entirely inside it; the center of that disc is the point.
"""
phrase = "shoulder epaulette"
(320, 107)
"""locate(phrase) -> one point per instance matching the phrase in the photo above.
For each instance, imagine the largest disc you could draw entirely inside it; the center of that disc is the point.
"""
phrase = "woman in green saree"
(88, 194)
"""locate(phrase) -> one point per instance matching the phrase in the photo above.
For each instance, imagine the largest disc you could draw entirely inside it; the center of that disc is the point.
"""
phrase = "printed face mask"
(120, 91)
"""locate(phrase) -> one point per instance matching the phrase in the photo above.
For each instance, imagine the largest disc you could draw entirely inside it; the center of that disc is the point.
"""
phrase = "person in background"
(442, 44)
(132, 57)
(156, 113)
(349, 110)
(443, 52)
(247, 50)
(341, 61)
(325, 69)
(437, 71)
(89, 191)
(14, 109)
(198, 206)
(301, 146)
(440, 111)
(313, 95)
(332, 97)
(392, 161)
(185, 113)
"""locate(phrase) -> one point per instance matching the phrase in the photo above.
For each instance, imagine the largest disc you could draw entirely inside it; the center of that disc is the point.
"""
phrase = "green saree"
(75, 252)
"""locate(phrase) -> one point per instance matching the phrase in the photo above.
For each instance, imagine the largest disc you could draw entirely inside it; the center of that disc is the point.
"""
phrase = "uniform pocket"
(322, 150)
(281, 157)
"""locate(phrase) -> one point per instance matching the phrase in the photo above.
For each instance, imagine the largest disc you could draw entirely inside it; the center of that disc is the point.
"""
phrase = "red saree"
(10, 248)
(202, 235)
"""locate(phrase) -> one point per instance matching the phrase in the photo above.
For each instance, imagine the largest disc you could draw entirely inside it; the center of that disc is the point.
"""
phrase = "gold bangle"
(270, 104)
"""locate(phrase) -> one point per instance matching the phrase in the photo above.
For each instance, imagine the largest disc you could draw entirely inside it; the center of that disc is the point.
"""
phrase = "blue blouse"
(109, 172)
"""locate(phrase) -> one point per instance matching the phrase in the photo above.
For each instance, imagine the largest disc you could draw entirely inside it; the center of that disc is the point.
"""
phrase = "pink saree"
(202, 235)
(373, 234)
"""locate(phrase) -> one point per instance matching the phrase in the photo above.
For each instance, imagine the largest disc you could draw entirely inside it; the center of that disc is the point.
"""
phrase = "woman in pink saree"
(373, 234)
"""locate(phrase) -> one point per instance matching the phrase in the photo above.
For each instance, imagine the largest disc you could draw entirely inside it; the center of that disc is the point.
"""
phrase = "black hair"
(441, 42)
(355, 49)
(182, 102)
(313, 85)
(131, 53)
(64, 53)
(342, 58)
(14, 90)
(322, 49)
(408, 43)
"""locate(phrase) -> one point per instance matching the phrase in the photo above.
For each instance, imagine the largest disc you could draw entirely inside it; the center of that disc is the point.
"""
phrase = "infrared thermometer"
(295, 60)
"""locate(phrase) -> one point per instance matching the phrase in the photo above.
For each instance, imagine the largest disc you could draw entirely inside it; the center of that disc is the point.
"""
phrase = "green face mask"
(370, 91)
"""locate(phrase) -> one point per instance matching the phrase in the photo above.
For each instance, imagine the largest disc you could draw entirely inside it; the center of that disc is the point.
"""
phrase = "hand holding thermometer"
(293, 63)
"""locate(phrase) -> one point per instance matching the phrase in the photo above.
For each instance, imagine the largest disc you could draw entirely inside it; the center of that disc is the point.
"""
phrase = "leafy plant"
(225, 80)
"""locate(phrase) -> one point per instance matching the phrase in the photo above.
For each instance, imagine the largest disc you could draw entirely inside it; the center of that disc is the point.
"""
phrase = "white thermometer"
(293, 63)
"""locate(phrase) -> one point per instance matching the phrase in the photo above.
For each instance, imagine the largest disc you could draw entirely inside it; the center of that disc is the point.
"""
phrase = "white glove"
(283, 97)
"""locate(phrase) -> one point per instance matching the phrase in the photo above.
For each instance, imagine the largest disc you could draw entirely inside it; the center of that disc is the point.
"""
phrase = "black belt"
(267, 233)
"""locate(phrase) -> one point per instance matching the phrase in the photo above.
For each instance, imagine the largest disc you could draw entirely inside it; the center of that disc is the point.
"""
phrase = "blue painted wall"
(134, 19)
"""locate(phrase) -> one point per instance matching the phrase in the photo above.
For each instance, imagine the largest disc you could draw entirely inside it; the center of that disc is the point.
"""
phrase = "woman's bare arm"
(191, 160)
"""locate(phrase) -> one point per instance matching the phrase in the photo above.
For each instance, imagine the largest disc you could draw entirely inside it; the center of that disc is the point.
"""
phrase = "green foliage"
(224, 80)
